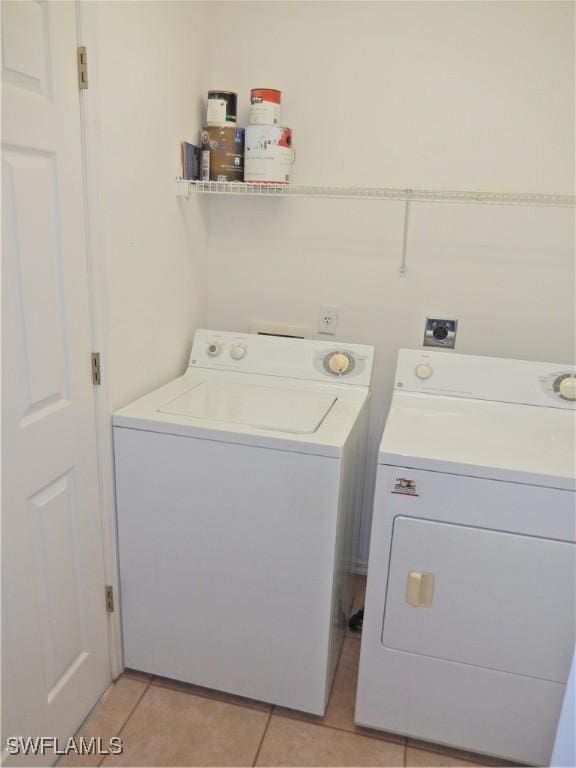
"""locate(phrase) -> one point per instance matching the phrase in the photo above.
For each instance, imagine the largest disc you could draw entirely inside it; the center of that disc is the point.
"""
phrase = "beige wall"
(423, 94)
(145, 95)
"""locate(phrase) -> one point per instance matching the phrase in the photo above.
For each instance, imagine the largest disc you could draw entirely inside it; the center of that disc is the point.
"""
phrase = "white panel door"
(55, 660)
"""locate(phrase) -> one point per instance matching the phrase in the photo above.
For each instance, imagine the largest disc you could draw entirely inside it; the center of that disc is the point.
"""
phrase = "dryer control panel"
(307, 359)
(486, 378)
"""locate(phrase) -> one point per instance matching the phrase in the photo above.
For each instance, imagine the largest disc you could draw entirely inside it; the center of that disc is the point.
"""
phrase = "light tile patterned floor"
(166, 723)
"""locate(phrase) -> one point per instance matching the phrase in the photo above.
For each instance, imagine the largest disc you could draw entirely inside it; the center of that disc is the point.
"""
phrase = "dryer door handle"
(419, 589)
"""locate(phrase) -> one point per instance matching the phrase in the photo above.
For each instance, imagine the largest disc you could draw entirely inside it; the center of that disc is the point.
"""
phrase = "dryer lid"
(499, 441)
(261, 407)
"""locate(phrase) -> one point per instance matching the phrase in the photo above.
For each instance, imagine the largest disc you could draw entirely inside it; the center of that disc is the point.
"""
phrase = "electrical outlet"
(328, 320)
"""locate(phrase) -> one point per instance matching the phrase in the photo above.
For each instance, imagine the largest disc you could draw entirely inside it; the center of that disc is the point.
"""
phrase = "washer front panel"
(223, 560)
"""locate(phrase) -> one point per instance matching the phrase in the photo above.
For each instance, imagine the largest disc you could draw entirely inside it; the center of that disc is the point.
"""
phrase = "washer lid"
(281, 410)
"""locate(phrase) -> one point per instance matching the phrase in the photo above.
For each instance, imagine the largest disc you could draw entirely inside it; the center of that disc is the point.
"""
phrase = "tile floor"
(167, 723)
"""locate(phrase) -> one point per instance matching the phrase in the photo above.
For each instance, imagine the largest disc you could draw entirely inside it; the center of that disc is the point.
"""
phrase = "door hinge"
(109, 593)
(82, 67)
(96, 376)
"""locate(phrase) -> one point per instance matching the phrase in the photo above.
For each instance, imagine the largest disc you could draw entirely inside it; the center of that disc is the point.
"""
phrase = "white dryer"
(238, 485)
(469, 620)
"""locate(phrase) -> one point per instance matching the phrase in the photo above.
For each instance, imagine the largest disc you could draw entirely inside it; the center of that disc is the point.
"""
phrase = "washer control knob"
(423, 371)
(213, 349)
(567, 388)
(339, 363)
(237, 351)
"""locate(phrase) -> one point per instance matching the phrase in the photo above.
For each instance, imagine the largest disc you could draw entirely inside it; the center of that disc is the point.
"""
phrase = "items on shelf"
(222, 154)
(268, 152)
(222, 109)
(265, 106)
(268, 155)
(190, 158)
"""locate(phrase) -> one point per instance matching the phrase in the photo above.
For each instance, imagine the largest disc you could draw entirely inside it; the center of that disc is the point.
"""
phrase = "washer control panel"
(560, 385)
(339, 363)
(309, 359)
(238, 351)
(343, 363)
(213, 349)
(217, 348)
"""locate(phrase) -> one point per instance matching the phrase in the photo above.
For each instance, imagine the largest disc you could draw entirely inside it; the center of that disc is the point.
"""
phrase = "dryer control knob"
(213, 349)
(339, 363)
(237, 351)
(567, 388)
(423, 371)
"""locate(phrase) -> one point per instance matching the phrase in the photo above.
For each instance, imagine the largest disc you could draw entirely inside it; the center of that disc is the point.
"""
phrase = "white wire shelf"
(374, 193)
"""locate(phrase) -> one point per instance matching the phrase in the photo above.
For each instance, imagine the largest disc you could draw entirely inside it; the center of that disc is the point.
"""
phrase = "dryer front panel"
(477, 656)
(490, 599)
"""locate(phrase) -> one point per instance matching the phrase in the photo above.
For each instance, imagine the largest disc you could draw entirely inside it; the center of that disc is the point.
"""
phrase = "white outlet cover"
(327, 320)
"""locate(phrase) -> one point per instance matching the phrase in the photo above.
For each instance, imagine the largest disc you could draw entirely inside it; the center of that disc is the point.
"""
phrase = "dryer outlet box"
(440, 333)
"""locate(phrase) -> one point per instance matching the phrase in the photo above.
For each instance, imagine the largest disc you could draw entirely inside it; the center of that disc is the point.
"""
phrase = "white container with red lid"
(268, 154)
(265, 106)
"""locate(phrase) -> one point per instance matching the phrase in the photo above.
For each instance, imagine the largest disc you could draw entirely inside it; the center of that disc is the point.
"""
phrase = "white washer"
(238, 485)
(469, 620)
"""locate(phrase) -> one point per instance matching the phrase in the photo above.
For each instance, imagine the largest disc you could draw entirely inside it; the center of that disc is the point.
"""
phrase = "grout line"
(257, 755)
(400, 741)
(303, 718)
(212, 698)
(129, 715)
(461, 754)
(134, 707)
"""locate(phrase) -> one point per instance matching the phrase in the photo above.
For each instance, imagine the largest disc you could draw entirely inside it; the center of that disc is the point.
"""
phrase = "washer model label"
(404, 487)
